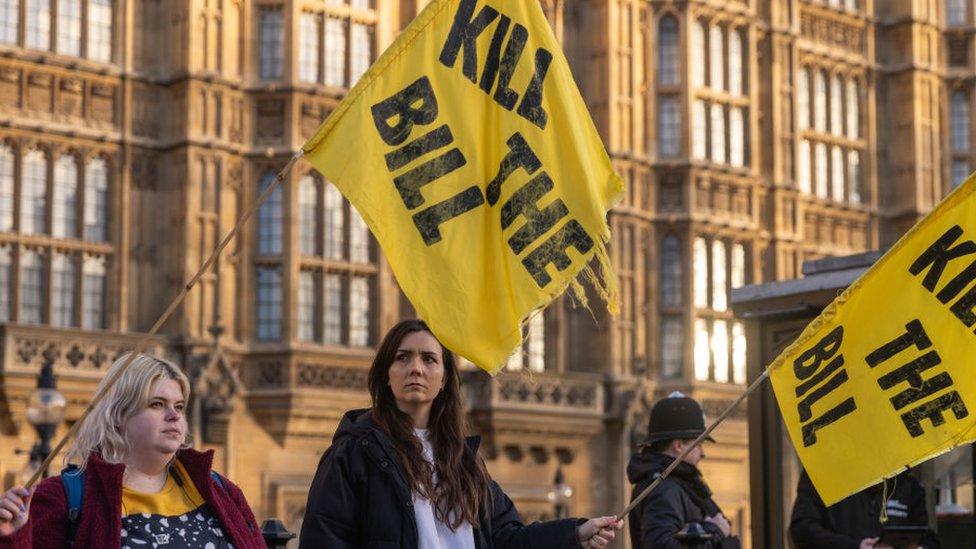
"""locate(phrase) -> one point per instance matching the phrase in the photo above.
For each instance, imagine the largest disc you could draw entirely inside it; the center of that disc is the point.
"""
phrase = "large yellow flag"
(469, 152)
(884, 378)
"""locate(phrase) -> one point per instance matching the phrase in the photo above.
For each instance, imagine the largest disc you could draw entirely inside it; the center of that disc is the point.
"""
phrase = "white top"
(434, 534)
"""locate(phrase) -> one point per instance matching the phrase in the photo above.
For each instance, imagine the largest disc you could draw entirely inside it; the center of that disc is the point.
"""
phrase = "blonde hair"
(104, 429)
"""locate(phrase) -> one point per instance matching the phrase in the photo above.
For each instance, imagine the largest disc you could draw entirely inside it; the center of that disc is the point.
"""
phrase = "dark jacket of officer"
(360, 498)
(857, 517)
(681, 498)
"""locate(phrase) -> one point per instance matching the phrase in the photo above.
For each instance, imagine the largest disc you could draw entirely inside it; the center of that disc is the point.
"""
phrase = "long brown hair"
(462, 480)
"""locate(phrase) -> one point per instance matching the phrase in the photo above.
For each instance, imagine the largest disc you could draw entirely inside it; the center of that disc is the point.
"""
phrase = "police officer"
(683, 497)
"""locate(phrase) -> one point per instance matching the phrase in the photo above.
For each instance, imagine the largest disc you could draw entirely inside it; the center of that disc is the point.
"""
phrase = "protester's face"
(695, 455)
(161, 425)
(417, 372)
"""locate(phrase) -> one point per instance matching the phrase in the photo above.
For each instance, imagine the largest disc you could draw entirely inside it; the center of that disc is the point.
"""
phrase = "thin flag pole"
(144, 341)
(728, 411)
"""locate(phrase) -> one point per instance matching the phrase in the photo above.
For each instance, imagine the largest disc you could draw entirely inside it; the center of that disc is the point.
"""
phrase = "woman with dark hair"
(403, 474)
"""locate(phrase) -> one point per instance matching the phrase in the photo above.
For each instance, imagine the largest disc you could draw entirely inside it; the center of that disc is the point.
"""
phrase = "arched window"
(308, 47)
(96, 201)
(69, 27)
(803, 179)
(697, 54)
(269, 303)
(836, 106)
(803, 99)
(819, 101)
(93, 286)
(31, 288)
(718, 134)
(667, 53)
(738, 268)
(735, 62)
(33, 194)
(64, 206)
(716, 56)
(737, 137)
(38, 24)
(822, 170)
(672, 347)
(671, 271)
(669, 126)
(100, 30)
(837, 174)
(269, 218)
(6, 188)
(308, 193)
(956, 12)
(271, 43)
(960, 121)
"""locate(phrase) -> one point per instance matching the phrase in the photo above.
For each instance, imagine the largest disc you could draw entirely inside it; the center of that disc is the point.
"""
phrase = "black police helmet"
(676, 416)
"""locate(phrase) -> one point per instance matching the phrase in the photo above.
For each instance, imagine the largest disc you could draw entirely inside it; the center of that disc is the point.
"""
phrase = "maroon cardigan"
(100, 523)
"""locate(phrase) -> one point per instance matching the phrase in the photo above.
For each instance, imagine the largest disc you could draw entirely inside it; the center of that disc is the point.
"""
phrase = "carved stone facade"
(732, 176)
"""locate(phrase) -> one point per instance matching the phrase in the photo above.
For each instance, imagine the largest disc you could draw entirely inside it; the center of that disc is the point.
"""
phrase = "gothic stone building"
(752, 134)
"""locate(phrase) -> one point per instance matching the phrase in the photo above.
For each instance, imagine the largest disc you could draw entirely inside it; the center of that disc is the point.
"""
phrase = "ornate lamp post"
(46, 409)
(560, 494)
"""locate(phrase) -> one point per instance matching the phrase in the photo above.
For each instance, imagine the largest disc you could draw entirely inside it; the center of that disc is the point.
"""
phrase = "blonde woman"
(142, 486)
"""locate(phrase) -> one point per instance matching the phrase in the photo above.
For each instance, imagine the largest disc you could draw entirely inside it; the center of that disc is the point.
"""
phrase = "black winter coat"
(844, 524)
(360, 498)
(681, 498)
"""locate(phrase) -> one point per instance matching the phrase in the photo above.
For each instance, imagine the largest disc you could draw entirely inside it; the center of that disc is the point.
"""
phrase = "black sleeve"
(807, 523)
(663, 515)
(508, 532)
(332, 511)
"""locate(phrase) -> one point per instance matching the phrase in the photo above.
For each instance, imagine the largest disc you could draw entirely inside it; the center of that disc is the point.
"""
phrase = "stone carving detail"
(270, 120)
(334, 377)
(561, 393)
(832, 32)
(268, 375)
(70, 353)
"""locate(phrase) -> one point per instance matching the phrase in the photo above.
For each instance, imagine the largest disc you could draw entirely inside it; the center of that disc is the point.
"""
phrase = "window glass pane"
(359, 312)
(358, 238)
(31, 288)
(69, 27)
(854, 173)
(716, 45)
(671, 275)
(9, 21)
(803, 99)
(38, 24)
(738, 353)
(332, 314)
(308, 53)
(667, 57)
(821, 170)
(93, 294)
(956, 12)
(335, 52)
(64, 213)
(700, 135)
(701, 273)
(100, 30)
(697, 54)
(718, 134)
(360, 51)
(6, 284)
(836, 106)
(96, 201)
(719, 291)
(803, 168)
(735, 63)
(308, 211)
(306, 306)
(272, 44)
(819, 101)
(269, 218)
(6, 189)
(269, 303)
(672, 347)
(334, 223)
(720, 350)
(536, 343)
(33, 194)
(837, 175)
(853, 114)
(669, 126)
(64, 276)
(960, 121)
(737, 138)
(960, 170)
(702, 352)
(738, 269)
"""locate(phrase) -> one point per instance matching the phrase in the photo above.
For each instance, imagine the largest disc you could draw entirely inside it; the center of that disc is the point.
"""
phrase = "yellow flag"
(884, 378)
(469, 152)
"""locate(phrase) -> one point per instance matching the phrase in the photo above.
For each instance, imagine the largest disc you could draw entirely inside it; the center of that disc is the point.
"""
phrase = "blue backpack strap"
(218, 480)
(73, 480)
